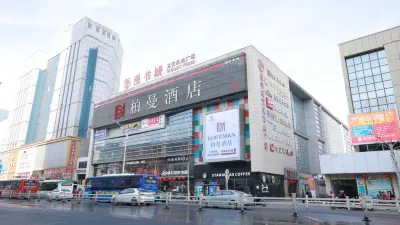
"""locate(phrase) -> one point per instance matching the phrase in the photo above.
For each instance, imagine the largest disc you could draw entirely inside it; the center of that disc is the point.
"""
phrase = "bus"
(47, 186)
(110, 184)
(12, 188)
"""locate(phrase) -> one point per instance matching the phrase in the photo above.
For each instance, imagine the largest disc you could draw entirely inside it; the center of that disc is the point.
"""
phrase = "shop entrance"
(348, 186)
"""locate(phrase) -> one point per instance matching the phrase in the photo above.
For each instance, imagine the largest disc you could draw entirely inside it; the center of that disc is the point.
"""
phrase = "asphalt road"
(22, 212)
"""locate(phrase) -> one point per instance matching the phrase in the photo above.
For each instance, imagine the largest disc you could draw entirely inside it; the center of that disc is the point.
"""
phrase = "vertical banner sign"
(374, 127)
(222, 136)
(72, 155)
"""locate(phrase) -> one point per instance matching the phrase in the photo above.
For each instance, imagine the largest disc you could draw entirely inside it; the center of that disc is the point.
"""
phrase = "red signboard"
(160, 70)
(374, 127)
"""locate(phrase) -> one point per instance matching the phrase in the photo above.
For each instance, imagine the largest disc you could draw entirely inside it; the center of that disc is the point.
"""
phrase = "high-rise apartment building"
(57, 92)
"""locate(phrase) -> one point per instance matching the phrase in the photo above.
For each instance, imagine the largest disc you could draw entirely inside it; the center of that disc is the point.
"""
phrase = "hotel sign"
(196, 86)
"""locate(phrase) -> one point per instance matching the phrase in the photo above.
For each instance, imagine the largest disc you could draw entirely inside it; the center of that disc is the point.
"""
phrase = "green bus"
(47, 186)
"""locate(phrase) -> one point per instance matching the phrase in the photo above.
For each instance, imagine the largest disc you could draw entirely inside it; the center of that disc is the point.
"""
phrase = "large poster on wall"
(223, 136)
(25, 162)
(369, 128)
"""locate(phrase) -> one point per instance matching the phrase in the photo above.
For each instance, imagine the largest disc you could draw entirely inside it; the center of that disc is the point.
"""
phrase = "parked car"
(132, 196)
(160, 196)
(59, 194)
(228, 198)
(178, 196)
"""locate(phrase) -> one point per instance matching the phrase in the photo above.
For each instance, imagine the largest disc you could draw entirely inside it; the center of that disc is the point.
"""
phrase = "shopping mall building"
(371, 71)
(235, 120)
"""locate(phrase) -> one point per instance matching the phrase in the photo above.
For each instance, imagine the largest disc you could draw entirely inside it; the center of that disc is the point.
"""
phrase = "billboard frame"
(373, 142)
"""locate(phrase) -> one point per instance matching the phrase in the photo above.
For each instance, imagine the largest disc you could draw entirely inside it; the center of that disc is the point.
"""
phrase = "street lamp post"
(125, 144)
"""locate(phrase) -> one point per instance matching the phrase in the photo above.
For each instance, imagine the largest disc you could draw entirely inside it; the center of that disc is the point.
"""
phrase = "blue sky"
(301, 37)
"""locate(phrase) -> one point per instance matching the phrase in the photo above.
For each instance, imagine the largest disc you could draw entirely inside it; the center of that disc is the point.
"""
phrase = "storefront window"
(174, 139)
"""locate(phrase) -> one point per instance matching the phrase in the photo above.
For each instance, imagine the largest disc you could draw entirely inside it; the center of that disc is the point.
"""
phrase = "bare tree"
(390, 119)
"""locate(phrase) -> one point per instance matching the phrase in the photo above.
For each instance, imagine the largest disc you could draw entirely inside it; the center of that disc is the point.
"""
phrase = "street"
(22, 212)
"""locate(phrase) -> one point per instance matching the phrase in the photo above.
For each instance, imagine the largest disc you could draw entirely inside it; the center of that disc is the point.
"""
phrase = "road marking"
(315, 219)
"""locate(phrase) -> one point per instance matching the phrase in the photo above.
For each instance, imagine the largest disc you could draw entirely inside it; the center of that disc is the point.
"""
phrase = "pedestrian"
(384, 196)
(330, 195)
(379, 195)
(342, 194)
(391, 195)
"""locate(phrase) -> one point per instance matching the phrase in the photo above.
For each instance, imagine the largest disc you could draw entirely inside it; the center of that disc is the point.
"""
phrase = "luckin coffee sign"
(222, 136)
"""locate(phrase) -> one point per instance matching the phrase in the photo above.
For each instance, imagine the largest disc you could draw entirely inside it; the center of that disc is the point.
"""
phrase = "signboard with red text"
(217, 80)
(374, 127)
(160, 71)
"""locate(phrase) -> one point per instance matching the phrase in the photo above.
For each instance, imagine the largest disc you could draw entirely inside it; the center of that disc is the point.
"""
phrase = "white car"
(133, 196)
(228, 198)
(59, 194)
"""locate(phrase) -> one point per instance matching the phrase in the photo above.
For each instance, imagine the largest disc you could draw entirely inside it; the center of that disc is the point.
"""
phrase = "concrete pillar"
(328, 183)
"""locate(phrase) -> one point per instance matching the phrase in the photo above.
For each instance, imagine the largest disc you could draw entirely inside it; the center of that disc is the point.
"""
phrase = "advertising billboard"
(374, 127)
(98, 134)
(25, 162)
(206, 83)
(223, 136)
(152, 123)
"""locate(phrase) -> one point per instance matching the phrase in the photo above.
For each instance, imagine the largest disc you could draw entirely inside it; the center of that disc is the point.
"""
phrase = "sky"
(301, 37)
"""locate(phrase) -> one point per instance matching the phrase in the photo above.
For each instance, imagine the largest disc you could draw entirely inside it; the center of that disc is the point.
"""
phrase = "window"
(356, 105)
(379, 86)
(371, 94)
(227, 193)
(362, 89)
(387, 84)
(383, 61)
(360, 74)
(113, 37)
(108, 35)
(380, 93)
(382, 54)
(386, 76)
(374, 63)
(376, 71)
(103, 33)
(349, 62)
(89, 25)
(363, 96)
(370, 82)
(370, 87)
(373, 102)
(366, 65)
(358, 67)
(368, 72)
(82, 165)
(357, 60)
(389, 91)
(385, 69)
(98, 29)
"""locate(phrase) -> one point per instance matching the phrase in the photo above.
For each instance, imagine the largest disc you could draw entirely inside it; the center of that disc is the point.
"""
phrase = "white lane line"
(315, 219)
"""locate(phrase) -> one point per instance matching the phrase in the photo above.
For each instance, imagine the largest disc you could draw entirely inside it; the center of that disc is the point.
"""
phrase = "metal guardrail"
(365, 204)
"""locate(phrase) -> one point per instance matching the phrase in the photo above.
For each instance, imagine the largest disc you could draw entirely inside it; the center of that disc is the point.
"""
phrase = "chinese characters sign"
(222, 136)
(368, 128)
(160, 71)
(275, 101)
(26, 159)
(72, 154)
(196, 86)
(152, 123)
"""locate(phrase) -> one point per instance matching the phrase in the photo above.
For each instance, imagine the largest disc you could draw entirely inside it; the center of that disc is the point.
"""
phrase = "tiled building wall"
(198, 125)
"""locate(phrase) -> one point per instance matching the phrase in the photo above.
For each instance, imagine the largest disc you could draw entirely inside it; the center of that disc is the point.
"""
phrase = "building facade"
(3, 114)
(56, 97)
(58, 91)
(371, 69)
(231, 122)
